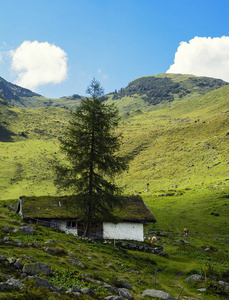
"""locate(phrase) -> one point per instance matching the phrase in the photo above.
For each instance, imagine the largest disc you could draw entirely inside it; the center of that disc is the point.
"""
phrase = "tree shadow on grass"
(5, 134)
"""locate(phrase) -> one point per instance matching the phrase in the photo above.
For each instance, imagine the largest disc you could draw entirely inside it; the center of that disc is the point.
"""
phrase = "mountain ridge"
(153, 90)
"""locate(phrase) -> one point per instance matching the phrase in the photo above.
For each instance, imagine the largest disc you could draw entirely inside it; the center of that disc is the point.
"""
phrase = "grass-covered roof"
(51, 207)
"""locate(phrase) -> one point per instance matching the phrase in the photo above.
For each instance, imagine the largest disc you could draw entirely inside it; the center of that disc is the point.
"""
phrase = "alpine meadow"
(162, 138)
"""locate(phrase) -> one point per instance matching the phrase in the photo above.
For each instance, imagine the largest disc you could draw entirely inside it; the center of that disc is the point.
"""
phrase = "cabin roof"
(54, 207)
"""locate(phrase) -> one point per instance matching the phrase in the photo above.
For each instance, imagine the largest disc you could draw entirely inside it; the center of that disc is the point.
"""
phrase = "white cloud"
(203, 56)
(38, 64)
(101, 74)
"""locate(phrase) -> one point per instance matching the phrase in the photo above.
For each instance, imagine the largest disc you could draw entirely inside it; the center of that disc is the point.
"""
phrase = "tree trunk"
(89, 219)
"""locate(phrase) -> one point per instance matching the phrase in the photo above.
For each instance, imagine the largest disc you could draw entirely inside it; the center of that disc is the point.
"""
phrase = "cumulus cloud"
(37, 64)
(203, 56)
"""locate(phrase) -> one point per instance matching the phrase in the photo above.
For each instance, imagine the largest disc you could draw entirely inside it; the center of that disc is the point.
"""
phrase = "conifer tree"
(91, 144)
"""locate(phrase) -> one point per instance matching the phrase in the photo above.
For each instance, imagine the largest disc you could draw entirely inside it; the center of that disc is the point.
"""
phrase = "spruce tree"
(91, 143)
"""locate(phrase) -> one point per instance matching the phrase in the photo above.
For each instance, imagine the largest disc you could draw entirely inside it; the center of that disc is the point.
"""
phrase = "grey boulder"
(157, 294)
(37, 268)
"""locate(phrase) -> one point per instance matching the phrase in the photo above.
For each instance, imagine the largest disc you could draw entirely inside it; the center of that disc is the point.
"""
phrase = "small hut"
(62, 212)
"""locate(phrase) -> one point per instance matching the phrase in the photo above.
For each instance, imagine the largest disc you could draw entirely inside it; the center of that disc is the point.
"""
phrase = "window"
(71, 224)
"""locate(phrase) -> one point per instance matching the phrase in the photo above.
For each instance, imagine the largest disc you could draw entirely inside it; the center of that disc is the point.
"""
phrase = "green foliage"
(155, 89)
(217, 289)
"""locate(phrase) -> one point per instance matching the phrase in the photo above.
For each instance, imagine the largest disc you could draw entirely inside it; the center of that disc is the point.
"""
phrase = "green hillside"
(29, 144)
(161, 91)
(183, 144)
(203, 252)
(178, 147)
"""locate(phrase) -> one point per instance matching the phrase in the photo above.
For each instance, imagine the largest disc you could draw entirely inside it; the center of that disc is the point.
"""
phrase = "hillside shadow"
(5, 134)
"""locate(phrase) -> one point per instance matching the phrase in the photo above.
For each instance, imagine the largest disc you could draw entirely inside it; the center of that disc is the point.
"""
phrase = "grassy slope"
(200, 202)
(27, 155)
(189, 87)
(184, 145)
(181, 262)
(180, 145)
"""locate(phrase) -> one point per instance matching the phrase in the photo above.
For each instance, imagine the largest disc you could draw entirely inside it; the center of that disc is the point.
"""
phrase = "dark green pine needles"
(91, 144)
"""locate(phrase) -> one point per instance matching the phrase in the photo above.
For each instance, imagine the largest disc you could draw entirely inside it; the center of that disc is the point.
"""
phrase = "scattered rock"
(41, 282)
(157, 294)
(6, 239)
(123, 283)
(50, 243)
(70, 292)
(29, 257)
(185, 243)
(193, 278)
(76, 289)
(125, 293)
(37, 268)
(225, 285)
(132, 271)
(11, 284)
(17, 241)
(87, 291)
(110, 265)
(76, 262)
(50, 251)
(142, 248)
(9, 243)
(114, 298)
(18, 263)
(202, 290)
(92, 281)
(62, 289)
(110, 288)
(7, 229)
(24, 276)
(26, 229)
(11, 260)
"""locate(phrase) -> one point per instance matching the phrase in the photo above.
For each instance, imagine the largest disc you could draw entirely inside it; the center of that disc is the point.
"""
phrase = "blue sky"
(56, 47)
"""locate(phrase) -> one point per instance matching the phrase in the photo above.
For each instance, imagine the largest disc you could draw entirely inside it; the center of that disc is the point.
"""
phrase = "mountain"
(180, 143)
(169, 87)
(22, 97)
(164, 90)
(14, 93)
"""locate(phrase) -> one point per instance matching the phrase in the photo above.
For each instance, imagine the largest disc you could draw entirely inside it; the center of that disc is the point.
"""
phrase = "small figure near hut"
(154, 240)
(186, 231)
